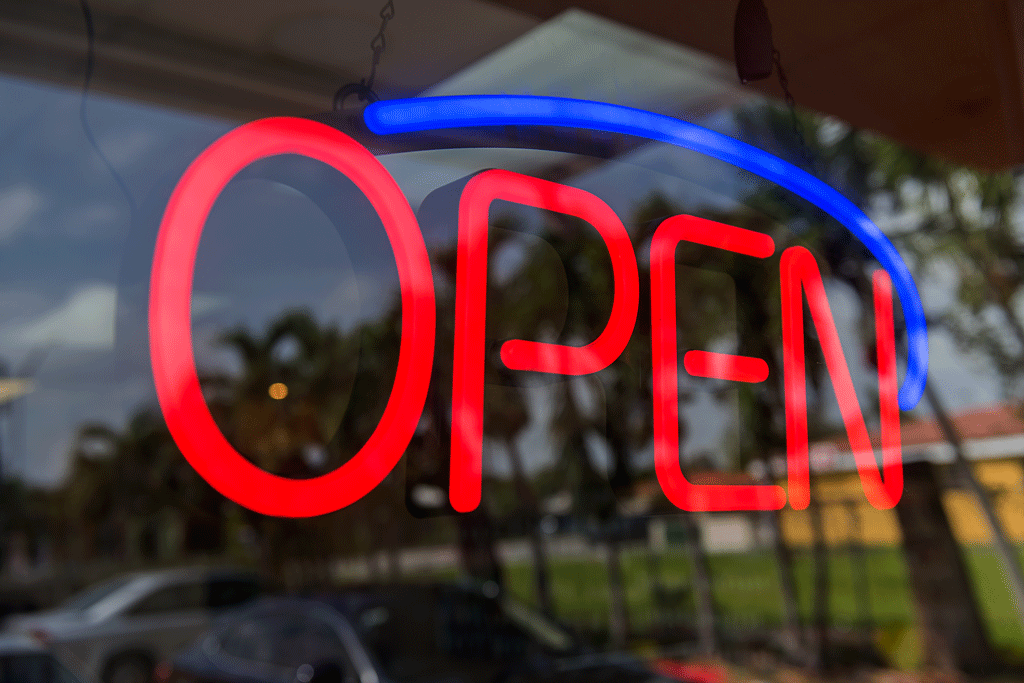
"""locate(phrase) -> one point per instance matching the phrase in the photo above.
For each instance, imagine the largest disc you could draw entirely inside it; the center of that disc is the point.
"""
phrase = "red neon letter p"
(519, 354)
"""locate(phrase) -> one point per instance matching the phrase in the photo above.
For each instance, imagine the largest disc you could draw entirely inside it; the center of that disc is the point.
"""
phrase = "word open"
(208, 451)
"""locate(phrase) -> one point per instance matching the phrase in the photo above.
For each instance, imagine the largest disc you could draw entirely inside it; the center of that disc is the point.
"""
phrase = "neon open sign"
(209, 452)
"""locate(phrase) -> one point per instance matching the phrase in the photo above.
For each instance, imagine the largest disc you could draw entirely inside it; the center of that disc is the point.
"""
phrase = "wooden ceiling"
(941, 76)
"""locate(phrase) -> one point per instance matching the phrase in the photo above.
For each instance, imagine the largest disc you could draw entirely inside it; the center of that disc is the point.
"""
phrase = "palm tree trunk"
(393, 551)
(659, 596)
(953, 633)
(618, 611)
(528, 499)
(783, 557)
(1004, 549)
(476, 532)
(707, 622)
(818, 650)
(476, 546)
(859, 569)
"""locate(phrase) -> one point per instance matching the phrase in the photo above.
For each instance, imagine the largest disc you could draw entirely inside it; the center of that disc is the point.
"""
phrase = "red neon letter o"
(170, 321)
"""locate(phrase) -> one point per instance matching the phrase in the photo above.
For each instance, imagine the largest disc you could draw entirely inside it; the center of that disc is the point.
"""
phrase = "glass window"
(225, 593)
(609, 393)
(248, 640)
(177, 598)
(94, 594)
(283, 638)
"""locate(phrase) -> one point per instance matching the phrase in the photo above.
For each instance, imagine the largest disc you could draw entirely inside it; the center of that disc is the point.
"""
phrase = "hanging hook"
(360, 90)
(752, 41)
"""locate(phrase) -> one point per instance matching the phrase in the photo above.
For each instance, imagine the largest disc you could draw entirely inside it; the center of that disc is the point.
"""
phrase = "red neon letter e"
(664, 351)
(798, 270)
(519, 354)
(170, 321)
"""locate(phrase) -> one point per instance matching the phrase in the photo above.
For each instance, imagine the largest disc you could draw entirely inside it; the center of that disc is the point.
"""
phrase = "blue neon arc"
(471, 111)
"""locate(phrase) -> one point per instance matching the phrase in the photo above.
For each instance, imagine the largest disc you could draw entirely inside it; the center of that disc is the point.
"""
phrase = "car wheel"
(129, 669)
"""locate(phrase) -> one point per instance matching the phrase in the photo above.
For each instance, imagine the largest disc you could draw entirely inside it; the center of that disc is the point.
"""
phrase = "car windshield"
(543, 630)
(425, 633)
(91, 596)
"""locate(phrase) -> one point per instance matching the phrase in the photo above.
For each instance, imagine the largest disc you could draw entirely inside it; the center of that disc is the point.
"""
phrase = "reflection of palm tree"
(705, 321)
(528, 308)
(866, 168)
(974, 232)
(120, 479)
(505, 417)
(430, 464)
(283, 429)
(306, 399)
(626, 387)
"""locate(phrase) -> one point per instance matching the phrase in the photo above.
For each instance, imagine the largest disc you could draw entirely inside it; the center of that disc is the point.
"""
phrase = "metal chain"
(364, 88)
(387, 13)
(798, 128)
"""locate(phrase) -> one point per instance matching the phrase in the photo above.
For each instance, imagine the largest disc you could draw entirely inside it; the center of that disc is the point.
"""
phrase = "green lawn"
(747, 595)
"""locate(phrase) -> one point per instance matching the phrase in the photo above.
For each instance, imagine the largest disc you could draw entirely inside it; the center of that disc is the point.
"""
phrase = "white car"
(117, 631)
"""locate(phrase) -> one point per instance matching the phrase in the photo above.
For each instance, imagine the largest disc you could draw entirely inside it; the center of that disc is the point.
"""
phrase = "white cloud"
(84, 322)
(90, 220)
(18, 203)
(124, 147)
(203, 304)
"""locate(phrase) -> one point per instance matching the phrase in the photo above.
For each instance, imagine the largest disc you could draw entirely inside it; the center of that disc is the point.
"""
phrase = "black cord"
(90, 64)
(794, 118)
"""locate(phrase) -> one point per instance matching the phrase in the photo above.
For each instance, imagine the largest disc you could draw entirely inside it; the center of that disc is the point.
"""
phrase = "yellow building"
(993, 438)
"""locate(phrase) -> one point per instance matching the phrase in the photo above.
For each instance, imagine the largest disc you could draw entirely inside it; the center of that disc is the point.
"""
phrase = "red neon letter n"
(799, 271)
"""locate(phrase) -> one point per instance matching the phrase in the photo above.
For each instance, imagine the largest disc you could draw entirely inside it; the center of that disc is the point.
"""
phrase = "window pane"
(182, 597)
(230, 593)
(286, 639)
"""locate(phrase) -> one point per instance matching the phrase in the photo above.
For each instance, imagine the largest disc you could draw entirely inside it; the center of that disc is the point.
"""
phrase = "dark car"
(23, 660)
(396, 634)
